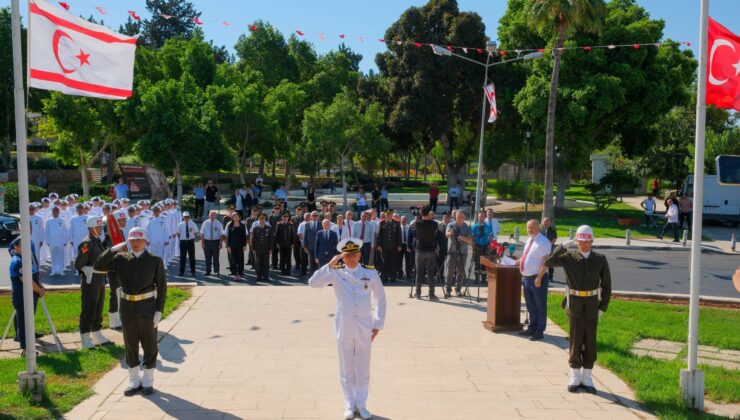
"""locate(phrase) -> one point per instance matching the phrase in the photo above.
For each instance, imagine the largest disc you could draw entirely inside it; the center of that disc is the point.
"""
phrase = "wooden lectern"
(504, 297)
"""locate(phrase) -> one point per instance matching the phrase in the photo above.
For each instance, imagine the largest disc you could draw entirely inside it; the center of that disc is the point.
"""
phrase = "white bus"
(721, 192)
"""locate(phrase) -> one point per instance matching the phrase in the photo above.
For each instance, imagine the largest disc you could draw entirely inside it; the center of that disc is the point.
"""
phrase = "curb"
(667, 297)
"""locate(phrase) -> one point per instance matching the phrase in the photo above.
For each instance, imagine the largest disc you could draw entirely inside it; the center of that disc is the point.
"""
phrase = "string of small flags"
(103, 11)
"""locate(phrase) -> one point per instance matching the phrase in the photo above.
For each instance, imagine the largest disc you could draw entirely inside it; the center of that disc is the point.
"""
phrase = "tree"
(264, 49)
(160, 28)
(74, 124)
(433, 95)
(559, 17)
(338, 131)
(284, 106)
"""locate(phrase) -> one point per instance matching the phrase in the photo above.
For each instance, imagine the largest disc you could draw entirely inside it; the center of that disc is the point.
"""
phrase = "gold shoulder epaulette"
(368, 266)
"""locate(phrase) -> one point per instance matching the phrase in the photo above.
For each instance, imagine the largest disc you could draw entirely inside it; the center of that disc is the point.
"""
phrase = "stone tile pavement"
(669, 350)
(260, 353)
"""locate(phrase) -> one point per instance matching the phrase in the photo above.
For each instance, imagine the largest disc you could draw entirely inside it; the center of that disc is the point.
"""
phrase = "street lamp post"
(490, 48)
(526, 179)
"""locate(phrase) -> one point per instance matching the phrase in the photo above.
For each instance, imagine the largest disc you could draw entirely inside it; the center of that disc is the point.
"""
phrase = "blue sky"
(370, 19)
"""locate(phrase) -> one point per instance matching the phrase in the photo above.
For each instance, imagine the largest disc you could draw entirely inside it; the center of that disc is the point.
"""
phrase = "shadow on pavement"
(180, 408)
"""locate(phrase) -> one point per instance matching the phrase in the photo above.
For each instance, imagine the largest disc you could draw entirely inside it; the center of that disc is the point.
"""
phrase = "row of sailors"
(59, 225)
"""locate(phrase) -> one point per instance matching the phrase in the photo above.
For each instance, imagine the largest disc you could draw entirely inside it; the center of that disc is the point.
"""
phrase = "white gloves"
(118, 247)
(88, 272)
(568, 243)
(600, 313)
(157, 318)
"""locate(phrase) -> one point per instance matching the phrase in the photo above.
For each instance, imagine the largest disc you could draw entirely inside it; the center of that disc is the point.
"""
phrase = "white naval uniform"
(55, 236)
(353, 324)
(157, 234)
(37, 233)
(45, 214)
(77, 231)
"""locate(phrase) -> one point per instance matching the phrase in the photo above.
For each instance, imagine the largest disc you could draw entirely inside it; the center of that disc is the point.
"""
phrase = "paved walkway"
(270, 353)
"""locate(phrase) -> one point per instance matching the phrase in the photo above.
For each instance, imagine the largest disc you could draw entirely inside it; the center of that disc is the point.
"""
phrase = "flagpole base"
(692, 388)
(33, 383)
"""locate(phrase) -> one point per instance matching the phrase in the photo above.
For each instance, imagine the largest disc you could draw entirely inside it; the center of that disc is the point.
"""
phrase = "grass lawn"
(64, 308)
(656, 382)
(69, 376)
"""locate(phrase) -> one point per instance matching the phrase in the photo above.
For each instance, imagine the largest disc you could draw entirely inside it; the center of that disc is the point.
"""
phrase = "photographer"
(426, 250)
(460, 237)
(16, 280)
(482, 233)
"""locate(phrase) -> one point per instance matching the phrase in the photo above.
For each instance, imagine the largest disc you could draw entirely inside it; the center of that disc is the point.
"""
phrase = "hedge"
(11, 196)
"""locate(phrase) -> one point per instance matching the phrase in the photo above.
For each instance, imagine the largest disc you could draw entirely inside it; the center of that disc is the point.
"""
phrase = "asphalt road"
(655, 271)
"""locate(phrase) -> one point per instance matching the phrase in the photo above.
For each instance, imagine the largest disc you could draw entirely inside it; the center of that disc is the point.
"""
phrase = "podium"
(504, 297)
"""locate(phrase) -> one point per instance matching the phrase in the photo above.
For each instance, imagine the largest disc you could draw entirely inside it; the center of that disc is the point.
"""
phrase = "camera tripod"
(48, 320)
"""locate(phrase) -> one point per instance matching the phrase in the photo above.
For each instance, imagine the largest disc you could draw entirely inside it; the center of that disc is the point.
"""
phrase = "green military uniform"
(584, 277)
(285, 235)
(262, 240)
(137, 276)
(389, 240)
(273, 220)
(248, 223)
(92, 288)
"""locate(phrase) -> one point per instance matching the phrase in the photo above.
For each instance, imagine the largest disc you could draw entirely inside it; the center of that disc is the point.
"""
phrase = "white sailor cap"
(96, 198)
(46, 200)
(349, 245)
(53, 195)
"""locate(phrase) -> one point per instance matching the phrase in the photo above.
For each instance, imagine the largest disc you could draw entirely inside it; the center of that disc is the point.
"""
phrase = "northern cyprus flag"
(76, 57)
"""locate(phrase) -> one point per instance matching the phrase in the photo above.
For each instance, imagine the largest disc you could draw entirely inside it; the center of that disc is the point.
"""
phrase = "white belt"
(136, 298)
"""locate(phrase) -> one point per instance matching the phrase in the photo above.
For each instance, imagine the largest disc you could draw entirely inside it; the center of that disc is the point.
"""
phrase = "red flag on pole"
(723, 67)
(491, 94)
(76, 57)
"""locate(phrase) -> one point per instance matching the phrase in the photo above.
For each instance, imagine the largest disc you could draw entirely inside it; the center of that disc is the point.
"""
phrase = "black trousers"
(365, 253)
(285, 265)
(140, 331)
(274, 257)
(211, 250)
(187, 250)
(312, 266)
(384, 204)
(582, 343)
(405, 261)
(684, 215)
(93, 299)
(454, 203)
(113, 298)
(391, 264)
(237, 256)
(441, 258)
(298, 256)
(262, 265)
(426, 265)
(433, 204)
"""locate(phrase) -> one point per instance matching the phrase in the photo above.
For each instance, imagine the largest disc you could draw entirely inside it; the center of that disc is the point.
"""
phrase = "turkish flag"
(76, 57)
(723, 68)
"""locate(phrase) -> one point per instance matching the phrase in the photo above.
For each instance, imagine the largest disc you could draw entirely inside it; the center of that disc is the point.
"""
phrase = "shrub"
(96, 188)
(104, 197)
(188, 182)
(188, 204)
(11, 196)
(515, 190)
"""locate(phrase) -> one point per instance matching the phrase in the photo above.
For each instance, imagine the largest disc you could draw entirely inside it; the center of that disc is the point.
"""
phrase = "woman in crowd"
(236, 241)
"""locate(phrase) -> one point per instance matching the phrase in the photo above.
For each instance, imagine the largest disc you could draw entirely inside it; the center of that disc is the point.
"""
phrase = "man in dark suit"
(326, 244)
(312, 228)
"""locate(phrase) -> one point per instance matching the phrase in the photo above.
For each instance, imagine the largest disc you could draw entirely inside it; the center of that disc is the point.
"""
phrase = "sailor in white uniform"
(78, 228)
(37, 226)
(356, 324)
(157, 234)
(55, 236)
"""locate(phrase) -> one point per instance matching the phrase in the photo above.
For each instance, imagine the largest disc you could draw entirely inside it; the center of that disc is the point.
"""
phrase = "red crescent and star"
(84, 58)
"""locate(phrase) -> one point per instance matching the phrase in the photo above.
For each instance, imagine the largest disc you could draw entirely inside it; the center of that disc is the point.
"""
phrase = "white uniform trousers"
(69, 254)
(157, 248)
(44, 253)
(57, 259)
(167, 253)
(354, 370)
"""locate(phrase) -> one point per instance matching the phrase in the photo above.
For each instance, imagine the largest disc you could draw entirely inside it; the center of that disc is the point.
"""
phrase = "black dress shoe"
(573, 388)
(536, 337)
(38, 335)
(589, 389)
(128, 392)
(433, 297)
(526, 333)
(147, 391)
(417, 295)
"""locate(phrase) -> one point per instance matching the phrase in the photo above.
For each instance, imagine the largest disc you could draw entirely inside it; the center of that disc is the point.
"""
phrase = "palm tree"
(562, 17)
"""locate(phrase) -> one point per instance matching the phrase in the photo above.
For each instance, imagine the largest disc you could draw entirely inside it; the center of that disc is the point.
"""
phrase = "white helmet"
(94, 221)
(584, 233)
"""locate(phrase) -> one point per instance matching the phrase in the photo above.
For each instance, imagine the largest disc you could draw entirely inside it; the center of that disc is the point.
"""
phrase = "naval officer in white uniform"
(356, 323)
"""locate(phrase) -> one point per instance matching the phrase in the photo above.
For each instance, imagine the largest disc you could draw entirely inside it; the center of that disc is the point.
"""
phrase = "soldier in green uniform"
(92, 288)
(273, 219)
(261, 240)
(284, 239)
(143, 292)
(389, 245)
(588, 290)
(256, 210)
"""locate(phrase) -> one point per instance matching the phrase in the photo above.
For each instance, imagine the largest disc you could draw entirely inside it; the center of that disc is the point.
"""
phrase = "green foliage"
(620, 181)
(266, 51)
(157, 30)
(96, 188)
(11, 196)
(516, 190)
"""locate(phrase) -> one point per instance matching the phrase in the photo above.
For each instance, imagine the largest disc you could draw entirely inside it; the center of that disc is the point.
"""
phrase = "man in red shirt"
(433, 196)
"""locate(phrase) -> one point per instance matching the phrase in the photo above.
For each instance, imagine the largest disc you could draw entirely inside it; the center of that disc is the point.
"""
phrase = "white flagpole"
(692, 379)
(29, 380)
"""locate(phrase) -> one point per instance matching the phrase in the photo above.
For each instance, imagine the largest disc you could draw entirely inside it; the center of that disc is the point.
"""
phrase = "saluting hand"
(334, 260)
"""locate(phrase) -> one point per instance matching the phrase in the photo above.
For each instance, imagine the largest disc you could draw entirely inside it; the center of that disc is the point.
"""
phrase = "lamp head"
(438, 50)
(490, 46)
(533, 56)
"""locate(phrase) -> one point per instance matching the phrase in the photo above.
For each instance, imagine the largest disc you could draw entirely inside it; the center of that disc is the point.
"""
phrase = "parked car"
(9, 227)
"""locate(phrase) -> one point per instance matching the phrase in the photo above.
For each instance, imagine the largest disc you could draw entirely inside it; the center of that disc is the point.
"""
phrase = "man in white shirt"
(671, 220)
(649, 205)
(157, 234)
(78, 228)
(535, 280)
(186, 233)
(55, 236)
(365, 230)
(212, 232)
(493, 223)
(37, 229)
